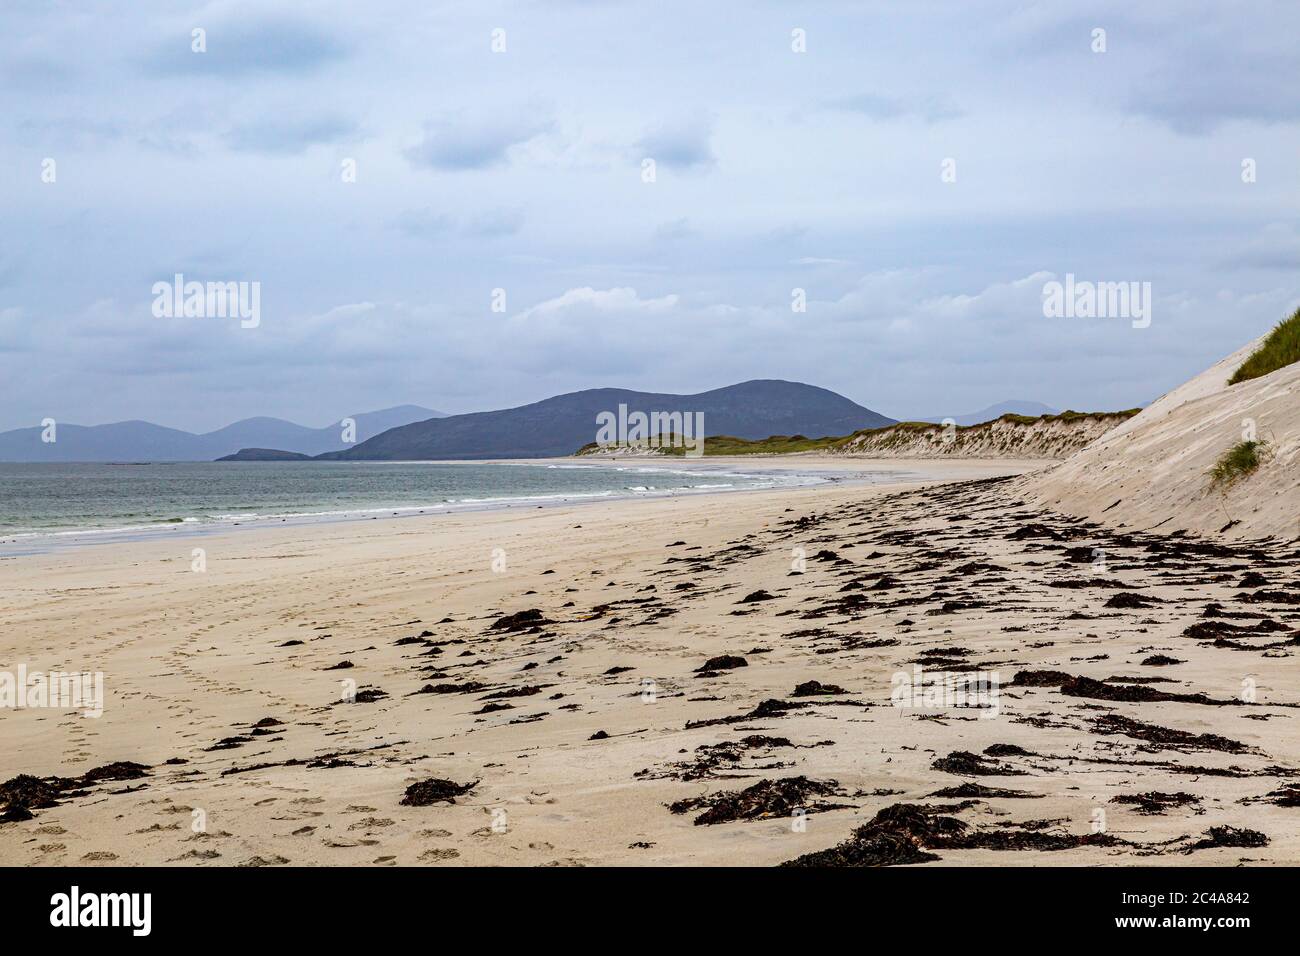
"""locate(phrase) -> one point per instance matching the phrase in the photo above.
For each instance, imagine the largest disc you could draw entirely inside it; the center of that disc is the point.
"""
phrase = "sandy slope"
(1002, 438)
(954, 578)
(1150, 472)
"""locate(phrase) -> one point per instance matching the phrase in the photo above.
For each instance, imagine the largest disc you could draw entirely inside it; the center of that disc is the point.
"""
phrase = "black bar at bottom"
(333, 905)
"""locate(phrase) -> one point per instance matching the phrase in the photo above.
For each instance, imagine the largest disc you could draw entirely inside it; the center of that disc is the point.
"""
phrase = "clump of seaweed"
(435, 790)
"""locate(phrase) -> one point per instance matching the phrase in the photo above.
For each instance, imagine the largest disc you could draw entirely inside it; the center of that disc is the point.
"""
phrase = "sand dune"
(1045, 437)
(1151, 472)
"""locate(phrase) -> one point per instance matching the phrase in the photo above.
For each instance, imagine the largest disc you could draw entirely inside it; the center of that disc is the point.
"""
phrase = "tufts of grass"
(888, 436)
(1281, 348)
(1069, 415)
(729, 445)
(1239, 461)
(775, 445)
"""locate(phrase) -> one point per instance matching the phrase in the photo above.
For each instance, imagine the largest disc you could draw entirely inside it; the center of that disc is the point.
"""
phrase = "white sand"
(191, 658)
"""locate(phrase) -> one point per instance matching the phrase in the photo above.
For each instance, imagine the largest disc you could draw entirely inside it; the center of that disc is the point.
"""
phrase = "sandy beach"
(706, 680)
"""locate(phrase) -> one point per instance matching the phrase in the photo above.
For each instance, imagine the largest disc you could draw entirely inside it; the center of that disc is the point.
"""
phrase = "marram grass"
(1239, 461)
(1280, 349)
(888, 436)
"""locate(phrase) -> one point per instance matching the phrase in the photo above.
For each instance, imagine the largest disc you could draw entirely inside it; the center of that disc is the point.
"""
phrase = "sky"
(919, 170)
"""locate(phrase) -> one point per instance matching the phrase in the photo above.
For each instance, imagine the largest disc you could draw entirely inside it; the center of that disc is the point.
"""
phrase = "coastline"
(790, 471)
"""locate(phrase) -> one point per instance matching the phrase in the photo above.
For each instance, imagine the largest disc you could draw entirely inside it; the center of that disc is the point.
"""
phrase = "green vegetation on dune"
(901, 429)
(1072, 416)
(887, 436)
(1239, 461)
(1280, 349)
(774, 445)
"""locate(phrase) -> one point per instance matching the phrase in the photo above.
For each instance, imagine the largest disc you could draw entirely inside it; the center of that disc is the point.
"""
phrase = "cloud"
(348, 311)
(286, 136)
(73, 132)
(588, 301)
(425, 224)
(494, 224)
(679, 144)
(15, 330)
(234, 48)
(1198, 93)
(171, 161)
(433, 226)
(463, 145)
(927, 109)
(675, 229)
(819, 261)
(1277, 247)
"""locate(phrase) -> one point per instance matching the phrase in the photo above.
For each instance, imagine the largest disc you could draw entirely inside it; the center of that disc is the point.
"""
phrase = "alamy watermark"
(208, 300)
(946, 690)
(1098, 300)
(130, 910)
(58, 689)
(639, 430)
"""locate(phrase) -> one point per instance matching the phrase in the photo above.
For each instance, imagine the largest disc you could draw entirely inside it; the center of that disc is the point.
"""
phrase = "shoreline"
(808, 471)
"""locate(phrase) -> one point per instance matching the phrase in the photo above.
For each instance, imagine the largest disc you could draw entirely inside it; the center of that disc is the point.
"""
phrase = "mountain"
(993, 412)
(561, 425)
(144, 441)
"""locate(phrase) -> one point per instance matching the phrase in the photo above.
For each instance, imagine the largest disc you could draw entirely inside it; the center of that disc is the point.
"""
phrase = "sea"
(43, 502)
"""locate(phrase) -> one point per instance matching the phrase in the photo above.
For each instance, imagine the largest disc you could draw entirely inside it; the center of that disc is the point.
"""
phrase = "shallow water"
(45, 499)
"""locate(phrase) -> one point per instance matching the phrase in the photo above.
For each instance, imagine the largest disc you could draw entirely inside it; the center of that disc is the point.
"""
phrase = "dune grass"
(1239, 461)
(730, 445)
(1281, 348)
(888, 436)
(774, 445)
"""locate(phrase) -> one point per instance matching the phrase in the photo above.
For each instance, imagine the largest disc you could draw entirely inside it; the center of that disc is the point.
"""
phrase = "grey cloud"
(876, 107)
(434, 226)
(425, 224)
(80, 132)
(44, 72)
(273, 45)
(290, 135)
(1199, 93)
(675, 229)
(1276, 248)
(681, 144)
(177, 165)
(494, 224)
(473, 144)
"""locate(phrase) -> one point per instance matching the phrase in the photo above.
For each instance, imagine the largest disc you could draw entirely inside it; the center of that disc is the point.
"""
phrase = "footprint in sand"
(438, 855)
(157, 828)
(370, 822)
(195, 855)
